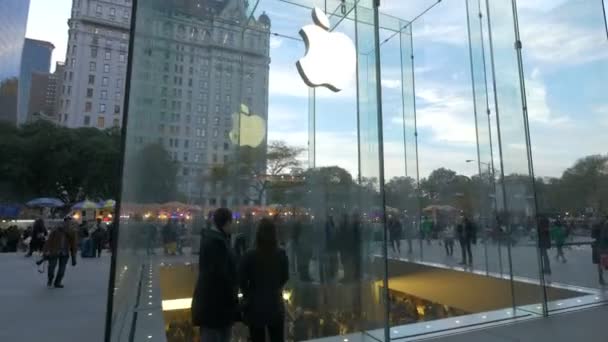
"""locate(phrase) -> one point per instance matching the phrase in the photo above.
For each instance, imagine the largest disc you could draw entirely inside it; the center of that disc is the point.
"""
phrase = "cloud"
(563, 35)
(391, 84)
(275, 42)
(446, 111)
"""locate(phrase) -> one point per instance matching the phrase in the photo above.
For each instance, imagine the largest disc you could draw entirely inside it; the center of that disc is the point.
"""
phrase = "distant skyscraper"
(36, 58)
(13, 22)
(199, 66)
(93, 82)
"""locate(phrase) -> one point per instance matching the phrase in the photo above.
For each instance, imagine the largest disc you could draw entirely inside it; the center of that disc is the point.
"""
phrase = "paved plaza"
(31, 312)
(77, 312)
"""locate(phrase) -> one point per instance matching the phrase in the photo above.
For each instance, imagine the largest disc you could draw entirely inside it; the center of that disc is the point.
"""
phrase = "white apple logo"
(331, 58)
(252, 128)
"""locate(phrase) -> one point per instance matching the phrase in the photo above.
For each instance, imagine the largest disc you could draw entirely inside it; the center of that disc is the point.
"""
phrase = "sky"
(48, 20)
(565, 61)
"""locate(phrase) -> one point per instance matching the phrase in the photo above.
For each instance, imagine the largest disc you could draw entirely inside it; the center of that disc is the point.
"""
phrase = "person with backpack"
(60, 246)
(215, 298)
(263, 273)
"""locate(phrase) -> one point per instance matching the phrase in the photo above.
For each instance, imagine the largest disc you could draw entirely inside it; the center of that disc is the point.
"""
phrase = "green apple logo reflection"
(248, 129)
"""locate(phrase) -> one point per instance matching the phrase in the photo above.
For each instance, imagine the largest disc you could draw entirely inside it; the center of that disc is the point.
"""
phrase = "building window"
(116, 122)
(215, 133)
(117, 95)
(121, 57)
(105, 81)
(88, 106)
(102, 108)
(69, 90)
(91, 79)
(89, 92)
(112, 12)
(93, 52)
(116, 109)
(92, 66)
(87, 120)
(72, 62)
(101, 122)
(106, 68)
(119, 83)
(99, 10)
(108, 55)
(104, 95)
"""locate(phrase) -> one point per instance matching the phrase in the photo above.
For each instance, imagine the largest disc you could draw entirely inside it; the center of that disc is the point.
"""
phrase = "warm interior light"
(177, 304)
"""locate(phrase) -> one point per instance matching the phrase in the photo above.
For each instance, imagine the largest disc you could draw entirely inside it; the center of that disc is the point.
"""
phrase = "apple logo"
(331, 59)
(247, 129)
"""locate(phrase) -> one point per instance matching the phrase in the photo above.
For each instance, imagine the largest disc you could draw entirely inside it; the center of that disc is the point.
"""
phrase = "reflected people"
(263, 272)
(544, 243)
(466, 236)
(599, 233)
(215, 299)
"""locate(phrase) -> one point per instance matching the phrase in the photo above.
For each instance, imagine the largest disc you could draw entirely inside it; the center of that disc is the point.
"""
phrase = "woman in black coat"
(262, 274)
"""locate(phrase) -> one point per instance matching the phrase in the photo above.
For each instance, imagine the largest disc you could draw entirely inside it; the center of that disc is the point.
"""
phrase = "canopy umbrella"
(46, 202)
(444, 208)
(107, 204)
(86, 204)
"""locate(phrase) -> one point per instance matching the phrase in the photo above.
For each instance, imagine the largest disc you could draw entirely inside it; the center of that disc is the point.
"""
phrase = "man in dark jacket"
(215, 299)
(466, 236)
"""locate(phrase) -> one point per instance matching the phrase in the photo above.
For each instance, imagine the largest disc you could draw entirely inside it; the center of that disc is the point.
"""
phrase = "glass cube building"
(426, 162)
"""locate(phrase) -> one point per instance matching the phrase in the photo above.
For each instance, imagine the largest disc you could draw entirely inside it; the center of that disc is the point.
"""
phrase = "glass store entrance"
(390, 147)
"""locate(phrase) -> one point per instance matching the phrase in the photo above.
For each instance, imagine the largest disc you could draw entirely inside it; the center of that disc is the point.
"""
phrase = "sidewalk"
(31, 312)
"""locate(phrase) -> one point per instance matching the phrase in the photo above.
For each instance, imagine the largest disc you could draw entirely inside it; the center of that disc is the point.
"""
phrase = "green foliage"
(42, 159)
(152, 176)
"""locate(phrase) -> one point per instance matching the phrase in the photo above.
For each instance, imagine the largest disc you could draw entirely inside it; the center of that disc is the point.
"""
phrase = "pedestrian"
(394, 229)
(37, 236)
(426, 229)
(99, 238)
(215, 298)
(169, 235)
(559, 235)
(466, 237)
(60, 246)
(544, 243)
(449, 235)
(599, 247)
(408, 228)
(263, 272)
(329, 257)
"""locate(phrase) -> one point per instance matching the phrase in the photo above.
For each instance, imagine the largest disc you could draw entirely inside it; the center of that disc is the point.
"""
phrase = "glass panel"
(565, 100)
(220, 116)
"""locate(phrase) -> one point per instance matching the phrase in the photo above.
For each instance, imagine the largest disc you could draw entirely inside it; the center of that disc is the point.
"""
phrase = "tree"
(258, 169)
(153, 175)
(401, 193)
